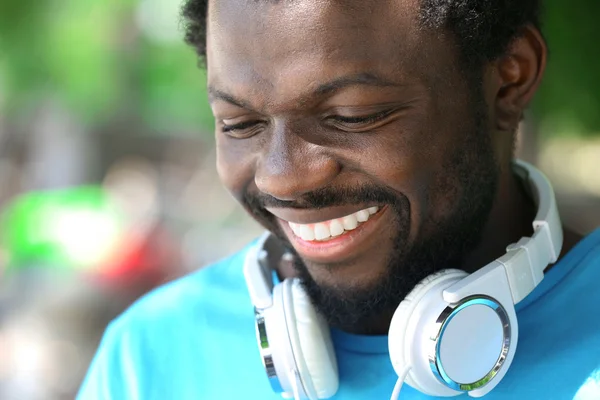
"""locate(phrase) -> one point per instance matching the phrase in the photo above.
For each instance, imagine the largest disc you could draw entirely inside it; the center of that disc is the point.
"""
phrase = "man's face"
(355, 137)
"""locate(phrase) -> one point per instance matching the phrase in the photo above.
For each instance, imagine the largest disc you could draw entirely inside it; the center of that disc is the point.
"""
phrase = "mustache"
(324, 197)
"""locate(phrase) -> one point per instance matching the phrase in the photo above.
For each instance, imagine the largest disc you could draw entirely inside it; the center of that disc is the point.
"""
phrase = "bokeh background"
(107, 180)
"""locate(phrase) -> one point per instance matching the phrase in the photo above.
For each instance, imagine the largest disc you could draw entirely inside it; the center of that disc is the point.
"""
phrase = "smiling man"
(374, 141)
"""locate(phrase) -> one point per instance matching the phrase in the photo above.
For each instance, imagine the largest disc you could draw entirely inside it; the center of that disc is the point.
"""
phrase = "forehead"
(279, 47)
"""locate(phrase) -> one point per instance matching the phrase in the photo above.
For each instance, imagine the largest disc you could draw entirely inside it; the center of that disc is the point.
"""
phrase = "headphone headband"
(258, 270)
(547, 218)
(544, 246)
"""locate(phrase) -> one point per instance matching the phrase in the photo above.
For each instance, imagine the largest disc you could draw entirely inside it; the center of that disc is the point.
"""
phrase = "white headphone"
(454, 333)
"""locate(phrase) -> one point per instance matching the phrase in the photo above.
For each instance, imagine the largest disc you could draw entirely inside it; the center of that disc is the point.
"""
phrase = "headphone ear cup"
(311, 343)
(397, 339)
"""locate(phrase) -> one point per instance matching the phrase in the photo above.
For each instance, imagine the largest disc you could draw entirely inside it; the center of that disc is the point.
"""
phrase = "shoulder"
(582, 260)
(557, 337)
(215, 286)
(176, 324)
(589, 248)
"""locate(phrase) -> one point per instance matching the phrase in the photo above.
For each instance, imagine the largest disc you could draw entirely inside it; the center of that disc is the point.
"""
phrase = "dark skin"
(295, 80)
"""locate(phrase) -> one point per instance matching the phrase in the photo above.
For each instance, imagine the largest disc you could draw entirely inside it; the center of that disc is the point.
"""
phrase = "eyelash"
(238, 127)
(359, 120)
(362, 119)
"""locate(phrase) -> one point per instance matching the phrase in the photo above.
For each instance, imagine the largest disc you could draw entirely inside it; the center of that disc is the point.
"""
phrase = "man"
(374, 140)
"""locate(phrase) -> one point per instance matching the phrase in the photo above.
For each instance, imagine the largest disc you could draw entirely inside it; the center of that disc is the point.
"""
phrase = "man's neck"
(511, 219)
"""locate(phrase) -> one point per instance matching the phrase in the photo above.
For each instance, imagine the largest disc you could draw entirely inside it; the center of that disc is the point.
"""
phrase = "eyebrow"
(363, 78)
(216, 94)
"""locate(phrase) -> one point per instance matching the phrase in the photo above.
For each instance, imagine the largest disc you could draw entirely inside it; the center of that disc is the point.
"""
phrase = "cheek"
(406, 165)
(413, 178)
(234, 166)
(413, 160)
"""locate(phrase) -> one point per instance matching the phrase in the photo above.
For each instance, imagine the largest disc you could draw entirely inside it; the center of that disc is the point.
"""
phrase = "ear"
(518, 74)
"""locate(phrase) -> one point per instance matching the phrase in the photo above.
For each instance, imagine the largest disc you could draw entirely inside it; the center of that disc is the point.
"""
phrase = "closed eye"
(362, 119)
(242, 130)
(359, 121)
(239, 127)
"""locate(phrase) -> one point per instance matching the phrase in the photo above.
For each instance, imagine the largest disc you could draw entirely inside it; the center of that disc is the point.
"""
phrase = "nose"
(291, 166)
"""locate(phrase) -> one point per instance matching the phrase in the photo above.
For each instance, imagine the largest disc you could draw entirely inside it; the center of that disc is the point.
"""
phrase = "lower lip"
(341, 247)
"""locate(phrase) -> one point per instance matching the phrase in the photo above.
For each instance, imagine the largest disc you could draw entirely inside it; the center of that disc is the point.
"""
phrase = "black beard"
(473, 171)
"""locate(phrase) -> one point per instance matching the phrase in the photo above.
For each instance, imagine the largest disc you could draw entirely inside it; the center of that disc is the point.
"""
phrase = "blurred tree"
(568, 102)
(93, 57)
(60, 50)
(172, 88)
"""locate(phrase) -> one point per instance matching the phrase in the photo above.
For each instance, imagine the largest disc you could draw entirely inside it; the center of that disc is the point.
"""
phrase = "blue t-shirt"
(194, 339)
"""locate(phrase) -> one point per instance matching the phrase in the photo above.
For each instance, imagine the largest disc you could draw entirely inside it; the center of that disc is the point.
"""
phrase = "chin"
(351, 276)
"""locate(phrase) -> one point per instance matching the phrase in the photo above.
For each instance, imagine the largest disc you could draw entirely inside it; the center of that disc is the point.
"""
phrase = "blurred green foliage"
(568, 102)
(99, 60)
(68, 228)
(94, 57)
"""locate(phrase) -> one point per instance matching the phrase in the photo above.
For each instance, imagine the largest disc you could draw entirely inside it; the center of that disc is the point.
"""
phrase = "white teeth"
(336, 228)
(294, 228)
(332, 228)
(321, 231)
(362, 215)
(350, 222)
(306, 232)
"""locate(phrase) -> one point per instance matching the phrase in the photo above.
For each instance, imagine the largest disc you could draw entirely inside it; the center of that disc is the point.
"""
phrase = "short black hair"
(483, 29)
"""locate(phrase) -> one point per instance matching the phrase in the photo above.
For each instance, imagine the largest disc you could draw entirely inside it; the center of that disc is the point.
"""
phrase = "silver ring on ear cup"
(266, 352)
(442, 323)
